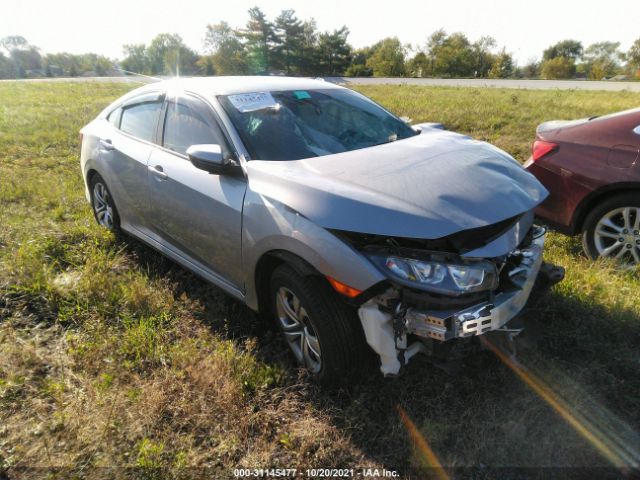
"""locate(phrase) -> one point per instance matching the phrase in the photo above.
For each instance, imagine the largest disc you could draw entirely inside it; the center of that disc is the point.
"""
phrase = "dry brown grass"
(69, 404)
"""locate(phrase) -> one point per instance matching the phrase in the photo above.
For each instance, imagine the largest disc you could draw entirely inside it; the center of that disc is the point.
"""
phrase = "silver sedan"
(321, 210)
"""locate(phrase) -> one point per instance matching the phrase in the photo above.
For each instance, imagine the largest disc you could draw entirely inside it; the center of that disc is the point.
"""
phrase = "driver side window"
(186, 125)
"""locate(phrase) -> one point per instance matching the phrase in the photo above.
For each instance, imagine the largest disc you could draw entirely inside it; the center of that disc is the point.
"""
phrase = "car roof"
(212, 86)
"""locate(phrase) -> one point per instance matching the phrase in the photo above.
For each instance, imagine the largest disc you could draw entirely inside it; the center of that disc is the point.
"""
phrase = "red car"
(591, 169)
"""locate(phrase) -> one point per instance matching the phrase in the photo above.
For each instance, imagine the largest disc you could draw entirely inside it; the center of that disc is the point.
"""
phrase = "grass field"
(112, 356)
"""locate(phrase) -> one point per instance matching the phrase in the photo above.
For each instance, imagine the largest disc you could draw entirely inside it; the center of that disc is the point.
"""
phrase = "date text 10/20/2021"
(314, 473)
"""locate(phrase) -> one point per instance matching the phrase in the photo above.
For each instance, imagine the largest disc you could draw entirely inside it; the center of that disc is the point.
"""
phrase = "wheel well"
(265, 267)
(597, 197)
(90, 175)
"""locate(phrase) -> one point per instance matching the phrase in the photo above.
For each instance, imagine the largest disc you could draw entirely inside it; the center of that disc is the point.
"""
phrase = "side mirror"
(209, 158)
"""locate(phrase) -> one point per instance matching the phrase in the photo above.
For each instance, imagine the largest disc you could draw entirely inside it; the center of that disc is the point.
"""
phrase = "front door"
(196, 213)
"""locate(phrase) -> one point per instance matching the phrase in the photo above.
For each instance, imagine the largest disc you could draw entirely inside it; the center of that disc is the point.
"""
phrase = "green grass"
(505, 117)
(111, 355)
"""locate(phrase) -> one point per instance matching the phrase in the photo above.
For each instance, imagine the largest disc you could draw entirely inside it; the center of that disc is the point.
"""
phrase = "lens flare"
(422, 445)
(618, 451)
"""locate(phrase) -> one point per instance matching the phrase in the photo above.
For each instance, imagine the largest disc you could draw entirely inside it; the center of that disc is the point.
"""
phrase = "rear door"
(125, 152)
(197, 213)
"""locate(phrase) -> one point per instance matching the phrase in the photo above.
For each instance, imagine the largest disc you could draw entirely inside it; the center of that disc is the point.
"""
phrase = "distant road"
(445, 82)
(122, 79)
(497, 83)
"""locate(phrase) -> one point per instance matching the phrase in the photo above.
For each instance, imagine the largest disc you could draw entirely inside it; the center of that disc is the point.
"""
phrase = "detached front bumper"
(486, 316)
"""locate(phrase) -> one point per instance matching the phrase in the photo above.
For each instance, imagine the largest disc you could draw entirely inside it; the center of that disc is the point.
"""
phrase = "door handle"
(158, 172)
(106, 144)
(637, 130)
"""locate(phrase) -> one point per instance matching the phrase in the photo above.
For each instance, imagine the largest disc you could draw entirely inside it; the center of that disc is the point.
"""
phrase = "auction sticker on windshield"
(250, 102)
(301, 95)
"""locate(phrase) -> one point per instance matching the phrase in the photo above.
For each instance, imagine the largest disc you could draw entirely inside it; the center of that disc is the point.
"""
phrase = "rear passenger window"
(184, 126)
(140, 120)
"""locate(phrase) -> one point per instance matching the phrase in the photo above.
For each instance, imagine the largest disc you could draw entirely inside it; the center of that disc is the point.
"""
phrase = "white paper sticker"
(250, 102)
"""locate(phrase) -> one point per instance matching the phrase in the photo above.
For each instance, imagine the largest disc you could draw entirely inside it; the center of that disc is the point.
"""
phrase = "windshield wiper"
(390, 139)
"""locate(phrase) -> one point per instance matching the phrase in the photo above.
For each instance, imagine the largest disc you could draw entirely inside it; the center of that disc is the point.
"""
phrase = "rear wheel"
(612, 230)
(322, 332)
(104, 210)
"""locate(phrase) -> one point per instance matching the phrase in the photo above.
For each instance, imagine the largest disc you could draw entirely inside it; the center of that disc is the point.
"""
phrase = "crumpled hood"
(428, 186)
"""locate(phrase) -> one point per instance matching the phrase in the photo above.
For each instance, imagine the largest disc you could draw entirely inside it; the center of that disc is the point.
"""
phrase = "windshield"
(295, 124)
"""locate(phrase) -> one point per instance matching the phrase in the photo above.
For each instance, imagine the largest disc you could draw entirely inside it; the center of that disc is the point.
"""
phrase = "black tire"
(601, 210)
(103, 206)
(343, 350)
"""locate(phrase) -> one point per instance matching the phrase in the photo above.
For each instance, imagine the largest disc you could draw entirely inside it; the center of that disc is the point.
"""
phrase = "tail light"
(541, 148)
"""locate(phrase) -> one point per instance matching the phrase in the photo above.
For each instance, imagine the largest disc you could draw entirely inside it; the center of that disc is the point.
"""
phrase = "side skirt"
(186, 262)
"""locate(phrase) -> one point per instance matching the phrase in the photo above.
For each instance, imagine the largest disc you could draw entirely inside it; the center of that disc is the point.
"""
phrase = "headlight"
(450, 278)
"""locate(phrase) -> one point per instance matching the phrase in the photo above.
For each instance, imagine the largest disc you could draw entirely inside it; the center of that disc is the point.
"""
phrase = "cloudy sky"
(525, 28)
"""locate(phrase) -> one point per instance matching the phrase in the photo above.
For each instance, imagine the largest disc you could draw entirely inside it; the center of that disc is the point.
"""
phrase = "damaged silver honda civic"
(318, 208)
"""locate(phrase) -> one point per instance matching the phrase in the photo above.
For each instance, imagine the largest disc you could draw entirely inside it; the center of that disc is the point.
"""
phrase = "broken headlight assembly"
(439, 275)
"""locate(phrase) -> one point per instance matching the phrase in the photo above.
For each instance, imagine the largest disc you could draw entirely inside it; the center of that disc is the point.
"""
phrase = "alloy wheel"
(298, 330)
(103, 205)
(617, 235)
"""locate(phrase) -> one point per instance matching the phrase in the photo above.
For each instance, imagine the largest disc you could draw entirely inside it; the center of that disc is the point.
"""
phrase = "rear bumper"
(486, 316)
(565, 195)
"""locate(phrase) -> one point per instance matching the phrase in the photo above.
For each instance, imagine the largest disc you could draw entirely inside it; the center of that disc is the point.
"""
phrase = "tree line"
(20, 59)
(292, 46)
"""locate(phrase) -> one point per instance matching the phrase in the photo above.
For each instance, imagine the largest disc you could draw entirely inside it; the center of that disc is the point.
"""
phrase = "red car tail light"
(542, 148)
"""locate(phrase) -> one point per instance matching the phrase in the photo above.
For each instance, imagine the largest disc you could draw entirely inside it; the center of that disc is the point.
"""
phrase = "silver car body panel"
(182, 258)
(124, 168)
(197, 213)
(427, 186)
(269, 226)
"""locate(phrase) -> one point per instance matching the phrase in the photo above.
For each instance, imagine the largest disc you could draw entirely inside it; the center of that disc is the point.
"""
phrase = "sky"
(524, 28)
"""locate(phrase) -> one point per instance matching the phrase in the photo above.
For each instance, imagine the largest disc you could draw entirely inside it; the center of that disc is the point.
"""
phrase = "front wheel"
(322, 332)
(612, 230)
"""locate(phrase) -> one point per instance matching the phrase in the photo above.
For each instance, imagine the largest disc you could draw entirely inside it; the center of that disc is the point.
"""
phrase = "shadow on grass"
(226, 316)
(585, 352)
